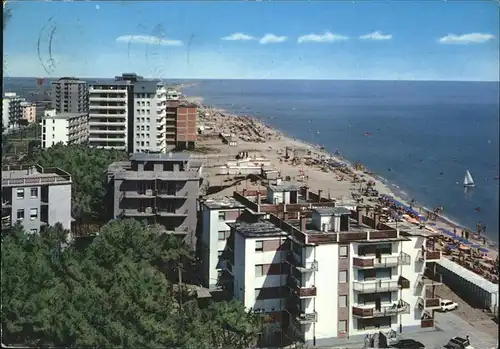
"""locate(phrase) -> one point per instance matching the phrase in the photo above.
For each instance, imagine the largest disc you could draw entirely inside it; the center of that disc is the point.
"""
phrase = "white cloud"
(376, 35)
(471, 38)
(238, 37)
(272, 39)
(148, 39)
(326, 37)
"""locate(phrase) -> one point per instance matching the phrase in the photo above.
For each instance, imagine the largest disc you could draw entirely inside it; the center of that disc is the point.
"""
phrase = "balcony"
(429, 255)
(299, 290)
(131, 212)
(381, 262)
(133, 194)
(373, 286)
(171, 195)
(428, 278)
(306, 318)
(429, 303)
(169, 213)
(390, 310)
(307, 267)
(403, 283)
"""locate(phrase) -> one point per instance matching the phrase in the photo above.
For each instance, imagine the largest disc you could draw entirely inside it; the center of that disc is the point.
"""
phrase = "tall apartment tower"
(128, 114)
(11, 110)
(69, 95)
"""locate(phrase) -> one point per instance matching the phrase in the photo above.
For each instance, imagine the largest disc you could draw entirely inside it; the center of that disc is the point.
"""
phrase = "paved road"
(451, 325)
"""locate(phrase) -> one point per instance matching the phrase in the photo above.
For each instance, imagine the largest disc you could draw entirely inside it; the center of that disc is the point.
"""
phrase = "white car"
(447, 305)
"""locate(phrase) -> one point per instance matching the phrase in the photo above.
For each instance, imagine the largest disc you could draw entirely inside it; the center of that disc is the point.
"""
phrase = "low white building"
(283, 192)
(66, 128)
(216, 213)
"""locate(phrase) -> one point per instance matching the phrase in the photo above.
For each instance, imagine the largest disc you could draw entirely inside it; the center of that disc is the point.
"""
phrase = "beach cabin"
(333, 219)
(283, 193)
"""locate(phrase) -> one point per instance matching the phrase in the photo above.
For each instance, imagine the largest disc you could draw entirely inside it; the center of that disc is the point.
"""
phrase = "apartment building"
(28, 112)
(181, 131)
(65, 128)
(36, 197)
(157, 189)
(69, 95)
(327, 273)
(11, 110)
(108, 114)
(216, 213)
(128, 114)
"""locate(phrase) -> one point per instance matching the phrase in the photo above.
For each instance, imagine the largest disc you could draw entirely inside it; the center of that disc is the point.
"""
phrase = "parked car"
(408, 344)
(447, 305)
(459, 343)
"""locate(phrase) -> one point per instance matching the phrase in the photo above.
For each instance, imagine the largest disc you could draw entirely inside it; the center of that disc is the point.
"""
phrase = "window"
(259, 246)
(20, 214)
(219, 253)
(20, 193)
(33, 231)
(342, 276)
(342, 326)
(222, 216)
(342, 301)
(34, 192)
(259, 270)
(33, 213)
(343, 251)
(222, 235)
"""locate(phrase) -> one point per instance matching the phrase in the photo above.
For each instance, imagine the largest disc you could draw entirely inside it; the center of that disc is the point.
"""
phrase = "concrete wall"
(26, 204)
(60, 205)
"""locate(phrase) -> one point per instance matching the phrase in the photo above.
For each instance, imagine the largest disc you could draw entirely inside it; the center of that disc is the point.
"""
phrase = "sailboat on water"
(468, 181)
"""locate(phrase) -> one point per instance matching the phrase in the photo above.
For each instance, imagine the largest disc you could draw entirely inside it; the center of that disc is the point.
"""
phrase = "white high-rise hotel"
(128, 114)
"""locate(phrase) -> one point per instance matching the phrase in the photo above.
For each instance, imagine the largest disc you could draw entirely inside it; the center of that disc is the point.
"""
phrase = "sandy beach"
(339, 182)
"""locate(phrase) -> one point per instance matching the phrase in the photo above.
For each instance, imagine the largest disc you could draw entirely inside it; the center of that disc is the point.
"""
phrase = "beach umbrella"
(485, 250)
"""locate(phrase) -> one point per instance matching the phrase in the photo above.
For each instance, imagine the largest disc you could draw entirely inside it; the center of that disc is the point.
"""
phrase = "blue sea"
(423, 136)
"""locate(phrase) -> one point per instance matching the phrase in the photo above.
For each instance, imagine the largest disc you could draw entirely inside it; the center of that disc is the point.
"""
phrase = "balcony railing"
(381, 262)
(426, 323)
(307, 267)
(429, 303)
(371, 286)
(306, 318)
(403, 282)
(401, 307)
(301, 291)
(429, 255)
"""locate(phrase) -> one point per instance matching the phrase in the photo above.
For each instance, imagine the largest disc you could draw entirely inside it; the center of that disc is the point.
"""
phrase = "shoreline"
(388, 187)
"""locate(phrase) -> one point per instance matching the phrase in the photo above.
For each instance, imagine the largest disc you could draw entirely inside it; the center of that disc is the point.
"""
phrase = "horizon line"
(254, 79)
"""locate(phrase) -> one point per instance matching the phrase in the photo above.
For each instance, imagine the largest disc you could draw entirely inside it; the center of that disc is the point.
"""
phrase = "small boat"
(468, 181)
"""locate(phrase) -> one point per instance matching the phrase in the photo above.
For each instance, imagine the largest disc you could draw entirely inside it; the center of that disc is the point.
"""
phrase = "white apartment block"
(216, 213)
(331, 276)
(150, 113)
(108, 115)
(128, 114)
(65, 128)
(11, 110)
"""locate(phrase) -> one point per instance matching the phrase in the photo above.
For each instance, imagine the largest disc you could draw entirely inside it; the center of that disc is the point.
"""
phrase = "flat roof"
(146, 86)
(223, 203)
(262, 228)
(286, 186)
(468, 275)
(63, 116)
(16, 176)
(160, 157)
(331, 211)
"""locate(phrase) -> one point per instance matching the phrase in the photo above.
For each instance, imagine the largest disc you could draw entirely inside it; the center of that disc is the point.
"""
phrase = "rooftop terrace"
(262, 228)
(16, 176)
(223, 203)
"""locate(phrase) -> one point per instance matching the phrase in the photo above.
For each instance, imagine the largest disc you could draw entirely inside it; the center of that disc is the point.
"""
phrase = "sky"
(355, 40)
